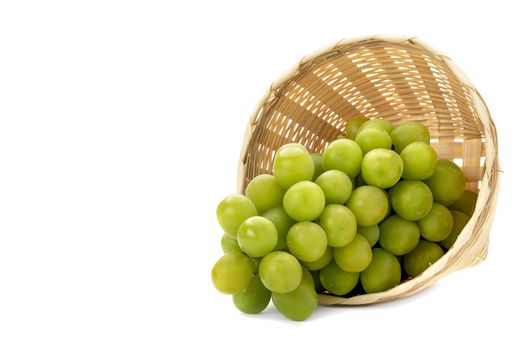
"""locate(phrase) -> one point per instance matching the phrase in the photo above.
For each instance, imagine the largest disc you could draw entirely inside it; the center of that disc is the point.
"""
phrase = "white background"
(120, 130)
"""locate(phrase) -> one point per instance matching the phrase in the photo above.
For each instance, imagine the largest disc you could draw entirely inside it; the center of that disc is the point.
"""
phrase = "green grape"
(280, 272)
(304, 201)
(339, 223)
(298, 304)
(377, 124)
(371, 233)
(460, 220)
(372, 138)
(425, 254)
(344, 155)
(382, 168)
(359, 180)
(321, 262)
(447, 183)
(232, 273)
(318, 164)
(406, 133)
(282, 222)
(355, 256)
(437, 224)
(265, 192)
(387, 195)
(383, 273)
(232, 211)
(254, 298)
(466, 203)
(257, 236)
(336, 280)
(411, 200)
(353, 124)
(369, 205)
(292, 164)
(307, 276)
(255, 265)
(336, 186)
(419, 161)
(317, 281)
(229, 244)
(306, 241)
(398, 236)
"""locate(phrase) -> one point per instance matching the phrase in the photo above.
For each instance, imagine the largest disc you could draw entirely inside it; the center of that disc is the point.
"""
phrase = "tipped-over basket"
(397, 79)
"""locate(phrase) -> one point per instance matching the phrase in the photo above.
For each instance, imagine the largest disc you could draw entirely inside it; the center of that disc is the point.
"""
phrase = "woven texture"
(397, 79)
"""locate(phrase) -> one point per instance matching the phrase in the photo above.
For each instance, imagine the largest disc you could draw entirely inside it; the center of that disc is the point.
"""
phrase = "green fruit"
(321, 262)
(307, 276)
(232, 273)
(292, 164)
(437, 224)
(229, 244)
(255, 265)
(407, 133)
(382, 168)
(336, 280)
(318, 165)
(460, 221)
(383, 273)
(282, 222)
(411, 200)
(339, 224)
(466, 203)
(353, 124)
(369, 205)
(298, 304)
(372, 138)
(265, 192)
(355, 256)
(419, 161)
(371, 233)
(398, 236)
(447, 183)
(280, 272)
(336, 186)
(232, 211)
(257, 236)
(344, 155)
(254, 298)
(378, 124)
(306, 241)
(304, 201)
(425, 254)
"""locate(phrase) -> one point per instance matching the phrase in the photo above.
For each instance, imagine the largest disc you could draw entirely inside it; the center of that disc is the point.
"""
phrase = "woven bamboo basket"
(397, 79)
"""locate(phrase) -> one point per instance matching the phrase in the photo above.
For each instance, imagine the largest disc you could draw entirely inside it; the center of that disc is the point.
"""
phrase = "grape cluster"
(375, 208)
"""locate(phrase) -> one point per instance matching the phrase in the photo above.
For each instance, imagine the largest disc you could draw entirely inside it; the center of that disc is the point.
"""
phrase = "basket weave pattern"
(397, 79)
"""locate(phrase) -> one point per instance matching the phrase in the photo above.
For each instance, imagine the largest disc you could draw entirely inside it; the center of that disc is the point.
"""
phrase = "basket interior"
(396, 81)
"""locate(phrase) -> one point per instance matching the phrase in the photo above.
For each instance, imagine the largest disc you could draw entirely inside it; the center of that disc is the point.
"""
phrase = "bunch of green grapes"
(371, 208)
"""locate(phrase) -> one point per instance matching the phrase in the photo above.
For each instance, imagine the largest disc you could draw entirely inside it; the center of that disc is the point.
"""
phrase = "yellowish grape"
(232, 273)
(355, 256)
